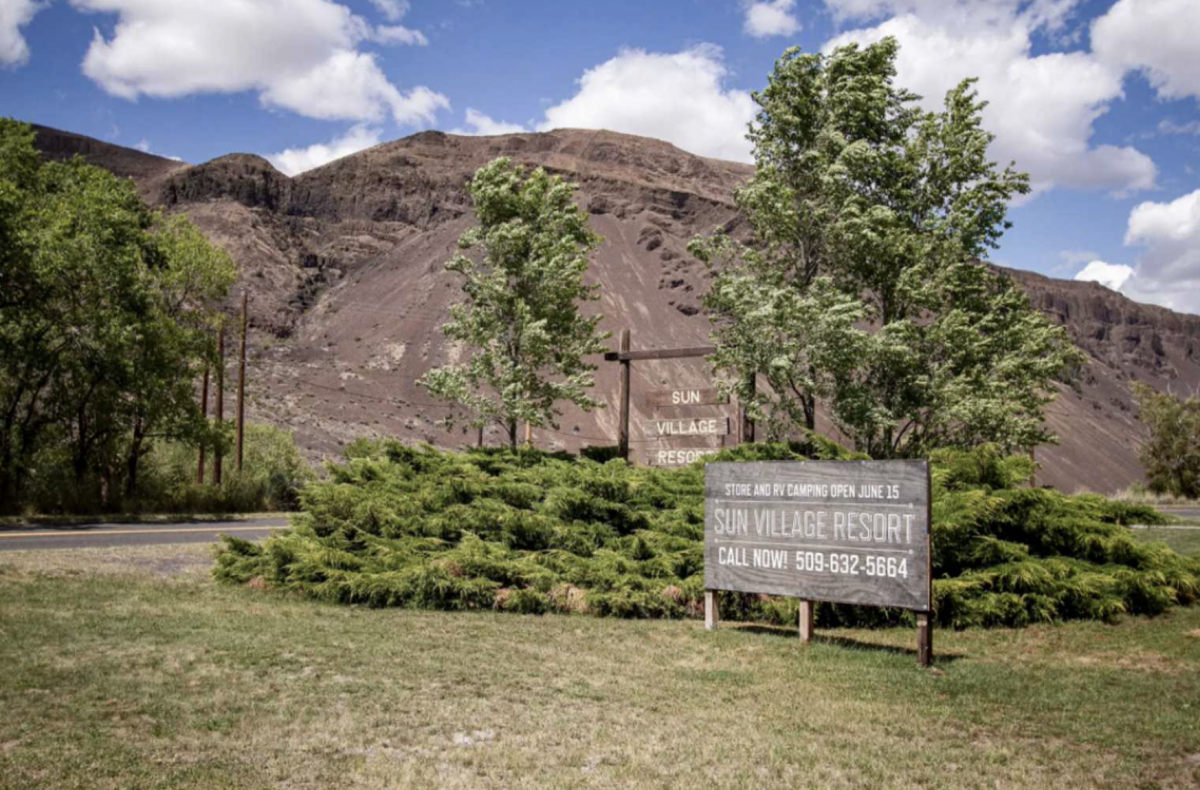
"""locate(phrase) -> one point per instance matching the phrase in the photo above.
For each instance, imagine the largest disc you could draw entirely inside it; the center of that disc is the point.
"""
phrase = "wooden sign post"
(623, 396)
(675, 429)
(854, 532)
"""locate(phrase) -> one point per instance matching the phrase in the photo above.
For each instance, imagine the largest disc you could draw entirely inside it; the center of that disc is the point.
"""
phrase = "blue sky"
(1098, 100)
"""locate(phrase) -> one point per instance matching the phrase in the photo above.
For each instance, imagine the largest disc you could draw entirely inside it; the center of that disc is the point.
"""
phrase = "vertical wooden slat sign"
(852, 532)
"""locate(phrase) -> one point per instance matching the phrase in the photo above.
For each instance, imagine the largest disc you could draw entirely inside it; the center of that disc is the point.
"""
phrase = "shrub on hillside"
(536, 532)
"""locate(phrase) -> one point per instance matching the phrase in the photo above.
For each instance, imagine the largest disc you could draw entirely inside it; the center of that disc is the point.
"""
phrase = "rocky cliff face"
(344, 265)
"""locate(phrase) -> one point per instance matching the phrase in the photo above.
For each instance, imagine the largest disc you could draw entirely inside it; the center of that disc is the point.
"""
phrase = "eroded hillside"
(344, 265)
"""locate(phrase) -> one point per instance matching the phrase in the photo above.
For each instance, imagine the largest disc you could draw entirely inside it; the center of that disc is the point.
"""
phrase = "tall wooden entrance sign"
(854, 532)
(689, 436)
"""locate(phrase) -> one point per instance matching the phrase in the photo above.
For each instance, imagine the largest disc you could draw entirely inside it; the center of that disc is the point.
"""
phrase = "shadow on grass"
(845, 641)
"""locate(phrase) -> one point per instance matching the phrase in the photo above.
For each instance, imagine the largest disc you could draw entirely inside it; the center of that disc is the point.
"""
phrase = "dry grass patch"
(132, 680)
(188, 559)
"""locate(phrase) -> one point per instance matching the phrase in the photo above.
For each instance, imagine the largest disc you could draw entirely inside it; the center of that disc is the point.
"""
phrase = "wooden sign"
(854, 532)
(685, 397)
(688, 426)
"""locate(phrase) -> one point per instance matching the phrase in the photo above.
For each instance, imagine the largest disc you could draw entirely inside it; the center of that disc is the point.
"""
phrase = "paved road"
(1182, 511)
(78, 536)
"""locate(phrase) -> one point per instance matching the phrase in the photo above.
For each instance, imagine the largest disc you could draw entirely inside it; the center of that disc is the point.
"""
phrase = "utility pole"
(204, 414)
(220, 402)
(241, 402)
(623, 401)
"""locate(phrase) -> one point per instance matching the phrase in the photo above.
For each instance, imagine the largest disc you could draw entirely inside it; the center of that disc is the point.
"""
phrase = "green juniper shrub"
(536, 532)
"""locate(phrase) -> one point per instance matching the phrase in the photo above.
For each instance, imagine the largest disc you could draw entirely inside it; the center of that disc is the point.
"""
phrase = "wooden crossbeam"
(659, 353)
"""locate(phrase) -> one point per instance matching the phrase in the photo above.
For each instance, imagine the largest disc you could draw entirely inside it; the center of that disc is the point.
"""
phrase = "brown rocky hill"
(344, 267)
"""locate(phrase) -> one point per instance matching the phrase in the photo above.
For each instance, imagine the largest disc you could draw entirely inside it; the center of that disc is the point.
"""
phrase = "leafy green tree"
(101, 324)
(804, 342)
(523, 287)
(18, 173)
(867, 218)
(173, 342)
(1171, 455)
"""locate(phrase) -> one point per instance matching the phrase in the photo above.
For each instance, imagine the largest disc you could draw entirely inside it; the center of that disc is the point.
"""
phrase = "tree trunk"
(8, 490)
(131, 467)
(79, 458)
(512, 434)
(810, 412)
(79, 465)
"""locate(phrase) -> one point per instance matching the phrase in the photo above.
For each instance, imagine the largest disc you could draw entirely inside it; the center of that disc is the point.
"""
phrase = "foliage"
(533, 532)
(1171, 455)
(272, 476)
(104, 323)
(521, 320)
(866, 211)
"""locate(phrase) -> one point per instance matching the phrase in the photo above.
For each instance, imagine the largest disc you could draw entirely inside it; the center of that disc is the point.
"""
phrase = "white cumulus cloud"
(1041, 107)
(393, 10)
(299, 55)
(1157, 37)
(478, 123)
(1168, 267)
(975, 13)
(294, 161)
(680, 97)
(1110, 275)
(399, 34)
(15, 14)
(775, 18)
(1168, 270)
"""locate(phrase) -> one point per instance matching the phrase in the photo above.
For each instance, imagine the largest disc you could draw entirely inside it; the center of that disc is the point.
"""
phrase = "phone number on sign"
(852, 564)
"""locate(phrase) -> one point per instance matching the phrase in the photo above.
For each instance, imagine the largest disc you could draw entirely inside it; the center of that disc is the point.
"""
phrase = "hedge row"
(536, 532)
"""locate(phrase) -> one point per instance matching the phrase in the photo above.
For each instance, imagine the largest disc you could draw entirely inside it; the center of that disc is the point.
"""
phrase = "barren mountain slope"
(344, 264)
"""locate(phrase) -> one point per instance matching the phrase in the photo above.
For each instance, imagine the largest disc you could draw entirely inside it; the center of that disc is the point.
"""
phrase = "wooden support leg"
(712, 611)
(807, 620)
(924, 640)
(623, 401)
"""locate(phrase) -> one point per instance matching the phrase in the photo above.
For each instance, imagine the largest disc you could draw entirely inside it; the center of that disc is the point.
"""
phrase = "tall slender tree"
(860, 285)
(1171, 453)
(523, 270)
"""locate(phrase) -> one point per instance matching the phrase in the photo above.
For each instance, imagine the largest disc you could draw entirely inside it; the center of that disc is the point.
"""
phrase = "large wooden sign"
(853, 532)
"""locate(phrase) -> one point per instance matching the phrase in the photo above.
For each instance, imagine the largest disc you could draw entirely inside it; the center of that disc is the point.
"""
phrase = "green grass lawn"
(131, 669)
(1184, 541)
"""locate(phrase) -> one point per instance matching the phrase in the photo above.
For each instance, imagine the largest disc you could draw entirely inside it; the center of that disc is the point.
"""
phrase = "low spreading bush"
(535, 532)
